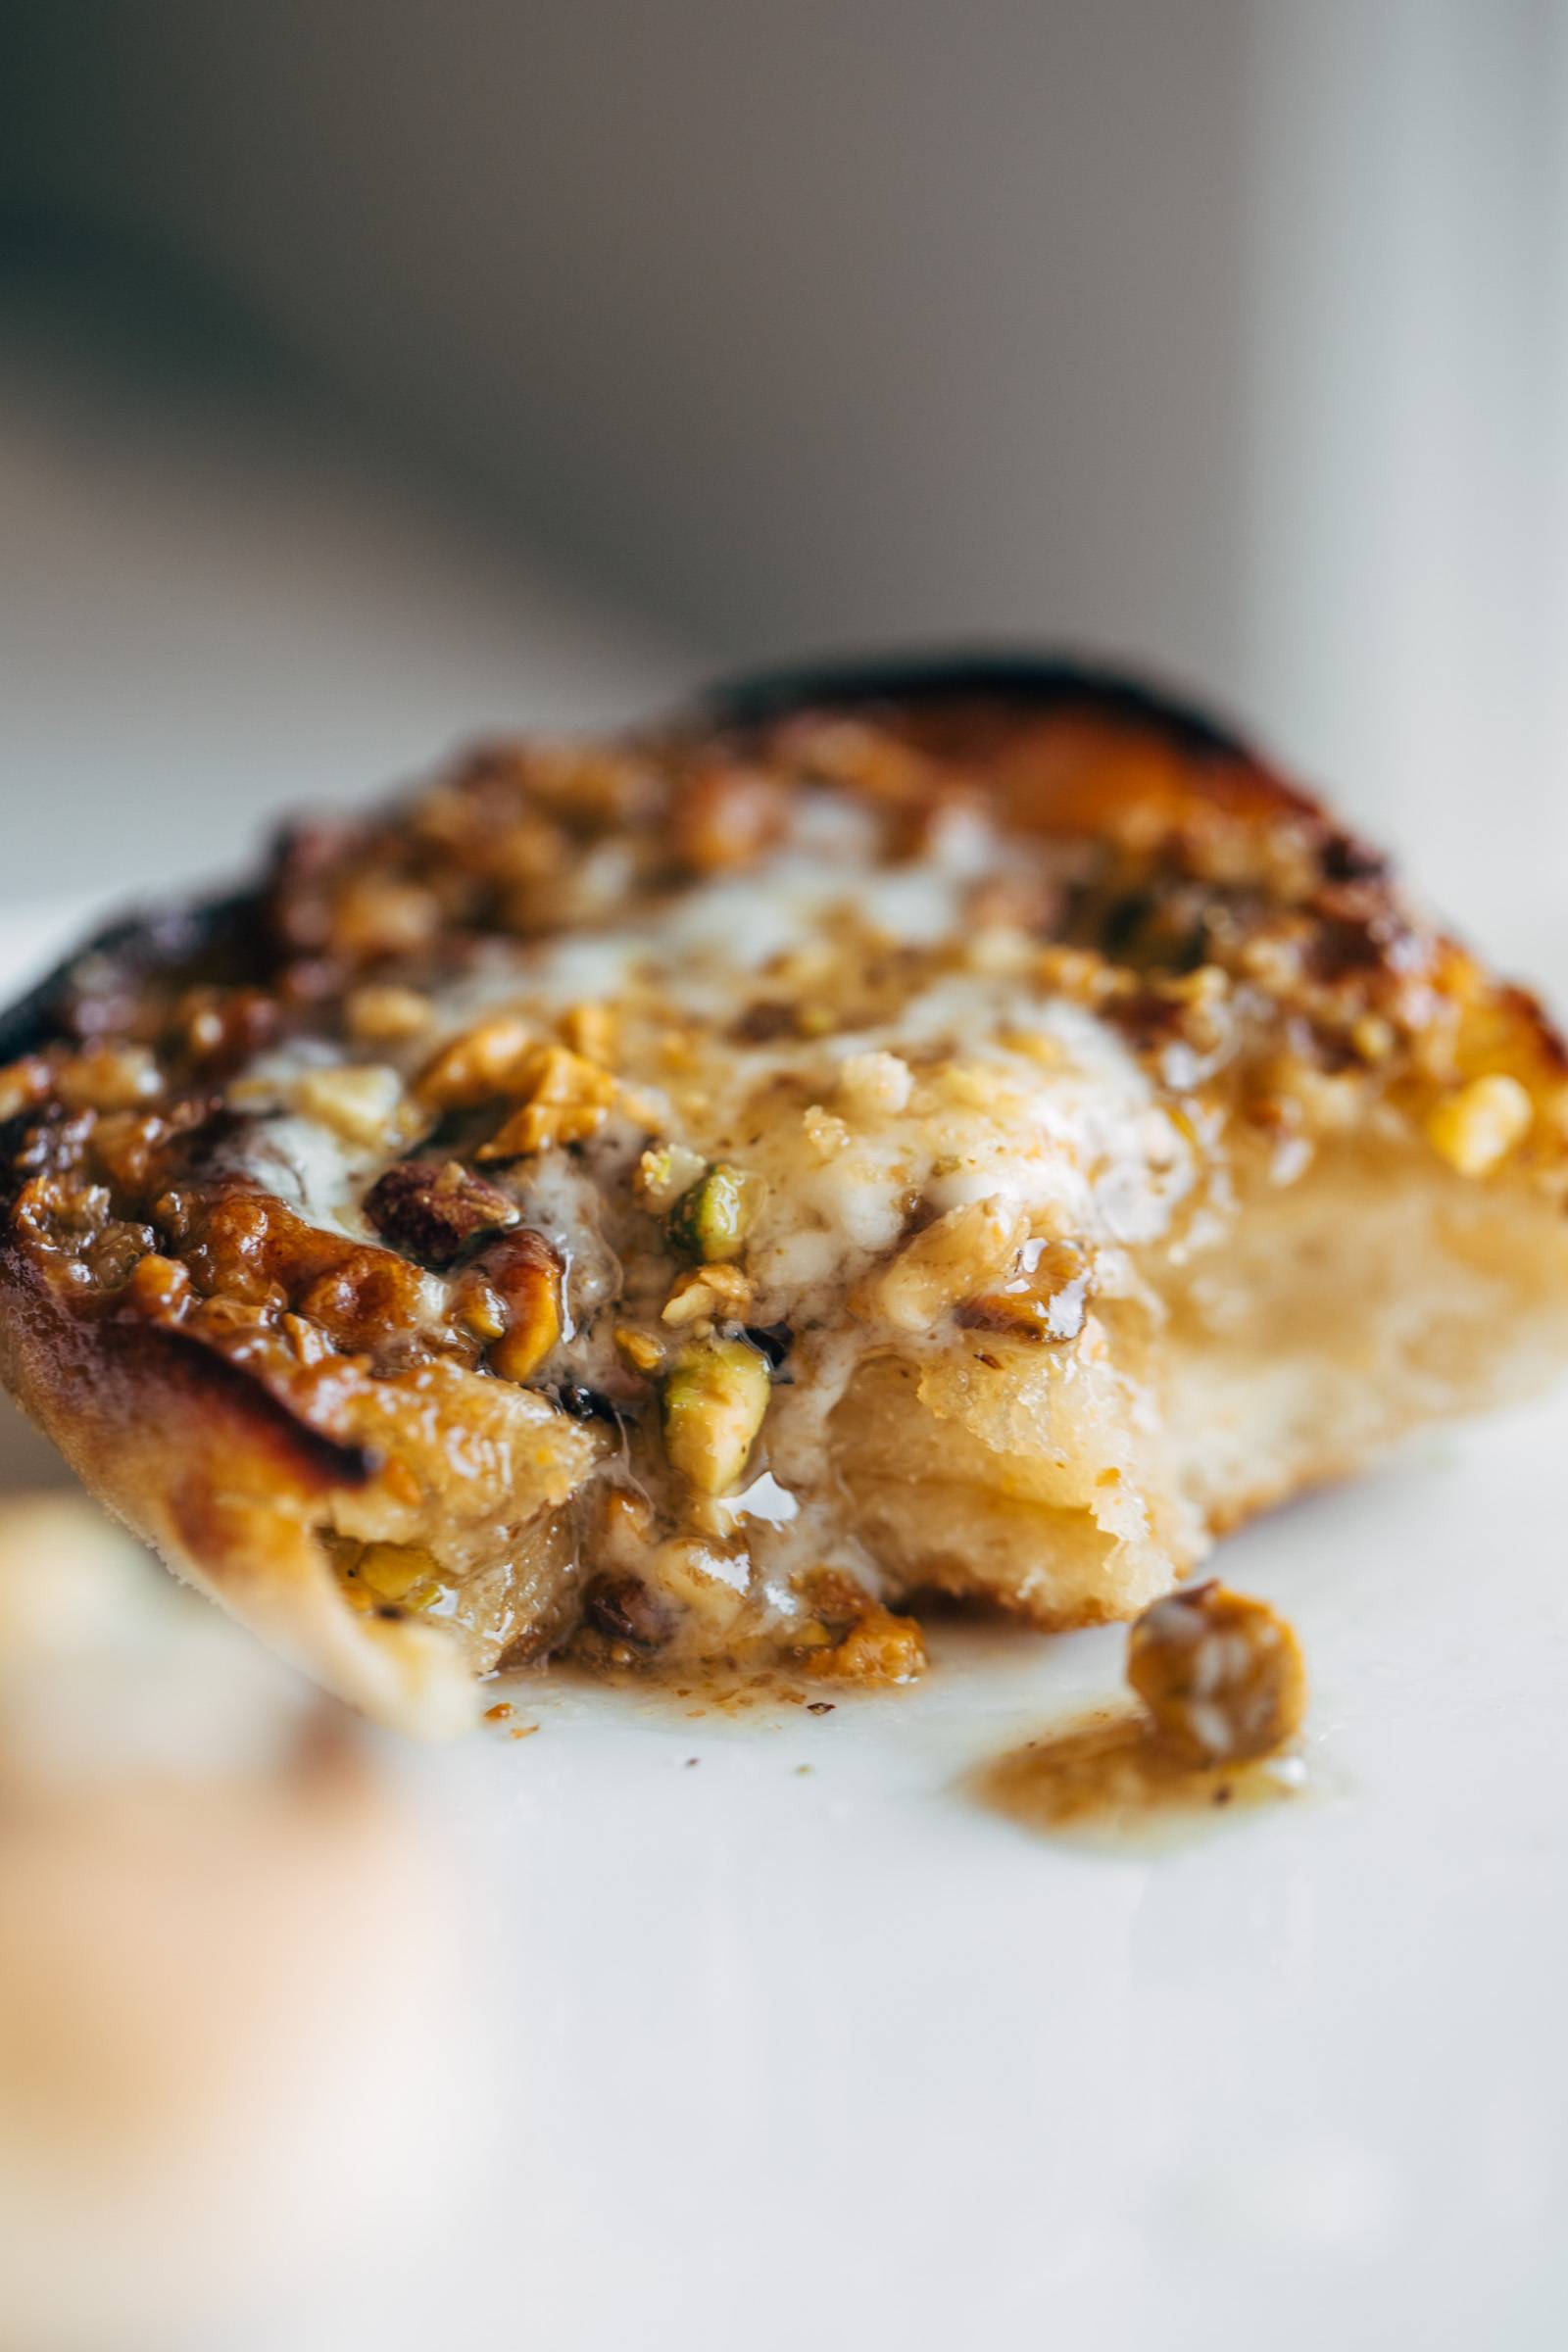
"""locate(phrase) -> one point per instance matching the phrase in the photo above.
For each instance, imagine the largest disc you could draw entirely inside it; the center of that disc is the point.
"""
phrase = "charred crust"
(149, 1371)
(205, 937)
(326, 1460)
(1034, 682)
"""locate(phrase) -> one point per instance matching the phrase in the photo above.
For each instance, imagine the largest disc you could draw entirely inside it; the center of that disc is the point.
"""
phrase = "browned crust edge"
(218, 1477)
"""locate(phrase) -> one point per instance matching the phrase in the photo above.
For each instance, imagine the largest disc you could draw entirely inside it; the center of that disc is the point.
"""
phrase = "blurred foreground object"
(221, 1973)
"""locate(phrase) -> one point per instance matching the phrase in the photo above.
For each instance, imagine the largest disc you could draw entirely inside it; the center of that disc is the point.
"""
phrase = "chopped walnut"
(376, 915)
(434, 1210)
(855, 1638)
(359, 1298)
(1047, 1300)
(23, 1084)
(879, 1648)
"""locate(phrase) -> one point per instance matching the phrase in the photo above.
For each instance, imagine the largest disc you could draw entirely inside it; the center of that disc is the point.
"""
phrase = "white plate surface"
(797, 2044)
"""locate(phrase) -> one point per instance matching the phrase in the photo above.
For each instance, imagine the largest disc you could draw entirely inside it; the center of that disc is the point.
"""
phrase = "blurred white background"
(1226, 333)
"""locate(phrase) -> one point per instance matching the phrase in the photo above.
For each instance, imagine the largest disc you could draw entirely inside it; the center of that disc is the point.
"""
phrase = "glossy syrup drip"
(1111, 1781)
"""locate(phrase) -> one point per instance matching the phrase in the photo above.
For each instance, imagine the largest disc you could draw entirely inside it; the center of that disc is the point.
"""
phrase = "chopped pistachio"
(714, 1398)
(712, 1221)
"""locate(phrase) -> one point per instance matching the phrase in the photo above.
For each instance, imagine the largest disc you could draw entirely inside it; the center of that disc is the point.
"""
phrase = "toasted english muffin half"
(966, 1127)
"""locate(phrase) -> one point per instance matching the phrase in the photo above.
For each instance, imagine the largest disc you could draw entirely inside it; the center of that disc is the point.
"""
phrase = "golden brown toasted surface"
(587, 1202)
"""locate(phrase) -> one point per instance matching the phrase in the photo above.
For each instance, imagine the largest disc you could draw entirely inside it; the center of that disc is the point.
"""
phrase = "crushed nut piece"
(712, 1221)
(433, 1208)
(713, 1291)
(715, 1398)
(525, 1275)
(874, 1085)
(1047, 1298)
(880, 1648)
(402, 1575)
(726, 816)
(825, 1131)
(1221, 1674)
(21, 1084)
(663, 1173)
(1475, 1129)
(377, 916)
(950, 1260)
(360, 1104)
(385, 1015)
(108, 1078)
(638, 1348)
(623, 1608)
(590, 1030)
(1373, 1037)
(478, 1066)
(477, 1308)
(567, 1101)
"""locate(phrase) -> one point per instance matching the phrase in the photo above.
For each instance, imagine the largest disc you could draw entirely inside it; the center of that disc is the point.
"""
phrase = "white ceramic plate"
(797, 2044)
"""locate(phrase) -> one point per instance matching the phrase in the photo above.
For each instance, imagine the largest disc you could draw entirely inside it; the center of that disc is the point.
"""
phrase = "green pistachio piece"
(710, 1221)
(715, 1397)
